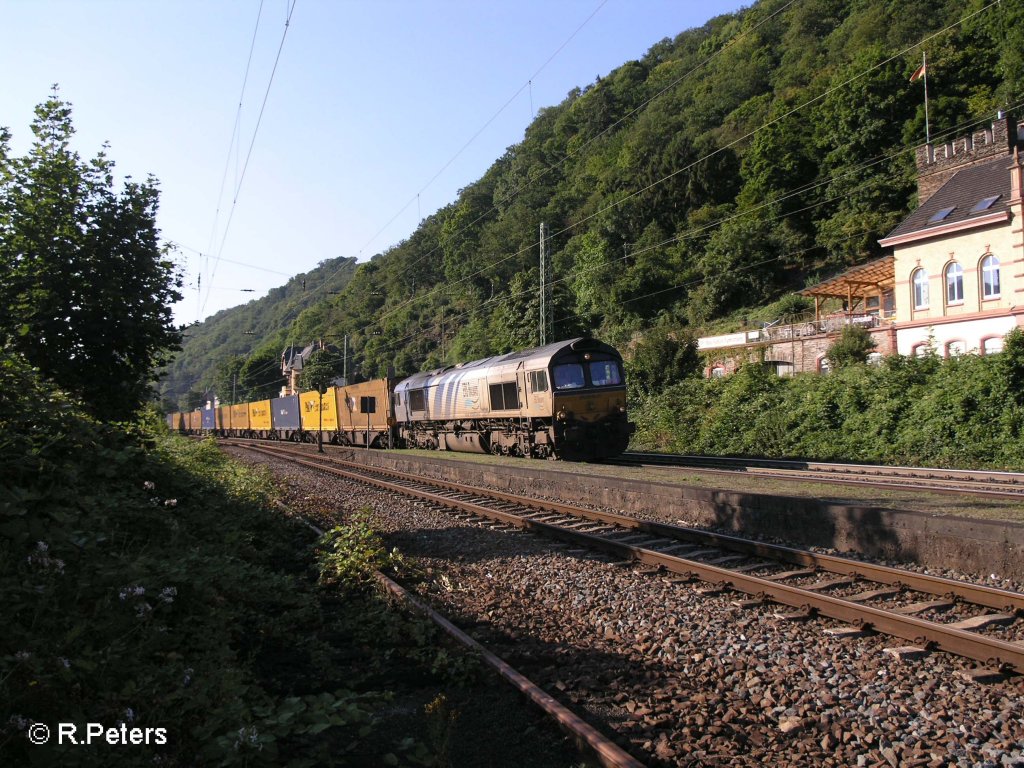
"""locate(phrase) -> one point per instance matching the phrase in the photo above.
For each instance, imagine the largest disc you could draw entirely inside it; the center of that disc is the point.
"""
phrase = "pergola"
(871, 279)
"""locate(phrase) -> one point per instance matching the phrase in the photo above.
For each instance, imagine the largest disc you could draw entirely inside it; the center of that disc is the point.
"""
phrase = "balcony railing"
(778, 332)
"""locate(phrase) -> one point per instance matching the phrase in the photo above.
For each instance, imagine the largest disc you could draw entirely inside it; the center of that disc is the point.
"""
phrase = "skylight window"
(985, 204)
(941, 214)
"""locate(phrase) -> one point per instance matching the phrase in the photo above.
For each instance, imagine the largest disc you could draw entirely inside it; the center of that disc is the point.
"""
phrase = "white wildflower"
(129, 715)
(149, 485)
(167, 594)
(171, 503)
(22, 656)
(64, 662)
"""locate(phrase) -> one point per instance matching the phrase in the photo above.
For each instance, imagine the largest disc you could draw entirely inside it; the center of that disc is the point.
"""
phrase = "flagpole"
(927, 128)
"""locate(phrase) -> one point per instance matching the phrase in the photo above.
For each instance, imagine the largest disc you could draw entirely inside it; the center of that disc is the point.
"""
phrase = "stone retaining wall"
(980, 547)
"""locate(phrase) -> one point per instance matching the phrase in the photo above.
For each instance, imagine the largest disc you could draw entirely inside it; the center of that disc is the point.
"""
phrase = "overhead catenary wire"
(252, 144)
(469, 142)
(647, 188)
(745, 137)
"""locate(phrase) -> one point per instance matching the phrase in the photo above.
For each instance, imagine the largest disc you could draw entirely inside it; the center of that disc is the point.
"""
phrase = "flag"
(919, 73)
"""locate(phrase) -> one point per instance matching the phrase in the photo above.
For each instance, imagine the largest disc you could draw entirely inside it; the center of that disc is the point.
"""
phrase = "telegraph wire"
(530, 182)
(804, 188)
(493, 117)
(714, 152)
(252, 143)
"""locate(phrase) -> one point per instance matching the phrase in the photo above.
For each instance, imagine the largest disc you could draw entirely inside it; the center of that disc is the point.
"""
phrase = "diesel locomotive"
(565, 400)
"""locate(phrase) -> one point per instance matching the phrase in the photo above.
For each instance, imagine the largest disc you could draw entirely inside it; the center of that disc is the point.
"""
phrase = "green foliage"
(964, 412)
(350, 554)
(319, 372)
(85, 288)
(853, 346)
(661, 359)
(147, 580)
(677, 186)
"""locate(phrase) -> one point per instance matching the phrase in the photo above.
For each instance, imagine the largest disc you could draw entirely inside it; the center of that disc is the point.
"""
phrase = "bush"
(965, 412)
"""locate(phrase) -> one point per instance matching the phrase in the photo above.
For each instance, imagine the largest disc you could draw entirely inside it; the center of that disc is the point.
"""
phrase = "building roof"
(868, 279)
(975, 196)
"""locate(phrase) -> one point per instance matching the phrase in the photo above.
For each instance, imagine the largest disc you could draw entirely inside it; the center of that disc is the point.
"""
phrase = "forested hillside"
(722, 169)
(245, 342)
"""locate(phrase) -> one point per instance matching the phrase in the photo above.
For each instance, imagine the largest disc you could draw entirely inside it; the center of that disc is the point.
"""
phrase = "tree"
(853, 346)
(318, 373)
(660, 359)
(260, 376)
(85, 287)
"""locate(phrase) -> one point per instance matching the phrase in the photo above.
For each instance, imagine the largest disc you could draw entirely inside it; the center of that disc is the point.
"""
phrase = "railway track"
(982, 622)
(934, 480)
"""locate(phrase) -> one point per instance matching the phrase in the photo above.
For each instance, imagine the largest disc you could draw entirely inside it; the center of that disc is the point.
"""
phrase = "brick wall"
(936, 163)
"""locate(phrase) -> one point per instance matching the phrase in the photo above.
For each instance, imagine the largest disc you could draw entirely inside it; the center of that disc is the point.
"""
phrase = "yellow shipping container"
(195, 420)
(310, 408)
(350, 405)
(240, 416)
(224, 417)
(259, 415)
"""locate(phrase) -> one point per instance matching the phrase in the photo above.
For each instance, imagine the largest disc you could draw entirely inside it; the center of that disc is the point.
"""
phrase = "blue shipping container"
(209, 417)
(284, 412)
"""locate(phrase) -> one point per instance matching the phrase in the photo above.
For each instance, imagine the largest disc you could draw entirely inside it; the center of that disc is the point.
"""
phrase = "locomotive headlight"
(562, 415)
(622, 409)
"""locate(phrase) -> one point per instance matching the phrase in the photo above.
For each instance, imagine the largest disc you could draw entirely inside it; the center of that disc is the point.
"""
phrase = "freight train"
(565, 400)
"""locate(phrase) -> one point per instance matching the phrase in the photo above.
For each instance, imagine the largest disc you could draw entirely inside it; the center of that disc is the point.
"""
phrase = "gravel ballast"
(678, 677)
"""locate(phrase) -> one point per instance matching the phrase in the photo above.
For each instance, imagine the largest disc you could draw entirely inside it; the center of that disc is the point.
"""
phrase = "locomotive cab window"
(569, 376)
(538, 381)
(504, 397)
(417, 400)
(605, 373)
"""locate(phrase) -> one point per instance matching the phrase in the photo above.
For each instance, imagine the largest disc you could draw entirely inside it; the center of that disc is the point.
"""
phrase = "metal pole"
(927, 128)
(320, 432)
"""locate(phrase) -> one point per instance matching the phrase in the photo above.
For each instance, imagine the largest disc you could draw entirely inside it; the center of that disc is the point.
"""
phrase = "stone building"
(954, 282)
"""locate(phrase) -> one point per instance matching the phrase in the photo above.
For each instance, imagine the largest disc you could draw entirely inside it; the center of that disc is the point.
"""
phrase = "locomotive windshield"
(596, 373)
(569, 376)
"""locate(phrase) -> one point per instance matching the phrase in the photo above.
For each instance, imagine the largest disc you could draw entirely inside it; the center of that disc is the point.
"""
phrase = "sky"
(376, 114)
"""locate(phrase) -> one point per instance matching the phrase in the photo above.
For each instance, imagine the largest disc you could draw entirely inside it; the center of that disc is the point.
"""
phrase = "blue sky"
(365, 128)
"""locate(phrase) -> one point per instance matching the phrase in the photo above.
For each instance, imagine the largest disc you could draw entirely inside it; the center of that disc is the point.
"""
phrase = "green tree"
(853, 346)
(85, 287)
(227, 378)
(319, 372)
(260, 376)
(661, 359)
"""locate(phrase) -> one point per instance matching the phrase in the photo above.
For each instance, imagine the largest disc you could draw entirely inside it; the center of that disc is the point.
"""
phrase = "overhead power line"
(252, 143)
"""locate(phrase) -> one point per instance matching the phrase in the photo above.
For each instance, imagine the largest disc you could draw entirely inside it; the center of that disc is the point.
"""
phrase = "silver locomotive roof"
(530, 359)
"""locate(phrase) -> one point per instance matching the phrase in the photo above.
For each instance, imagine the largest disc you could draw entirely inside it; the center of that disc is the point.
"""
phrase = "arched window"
(990, 277)
(992, 346)
(823, 365)
(956, 348)
(920, 281)
(954, 284)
